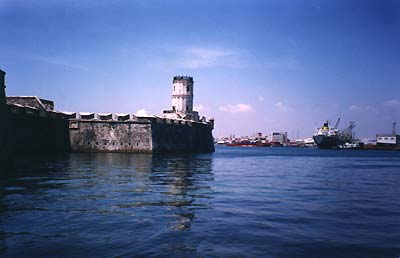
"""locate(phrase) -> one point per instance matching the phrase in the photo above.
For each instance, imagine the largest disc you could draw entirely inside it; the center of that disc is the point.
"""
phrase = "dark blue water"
(237, 202)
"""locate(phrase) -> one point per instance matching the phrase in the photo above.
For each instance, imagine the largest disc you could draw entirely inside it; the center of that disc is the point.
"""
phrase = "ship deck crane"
(337, 123)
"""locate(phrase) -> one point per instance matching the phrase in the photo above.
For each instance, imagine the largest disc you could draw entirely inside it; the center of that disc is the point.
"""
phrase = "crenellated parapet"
(129, 118)
(18, 109)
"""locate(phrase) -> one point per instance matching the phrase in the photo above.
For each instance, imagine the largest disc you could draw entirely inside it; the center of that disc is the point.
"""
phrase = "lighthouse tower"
(182, 99)
(182, 95)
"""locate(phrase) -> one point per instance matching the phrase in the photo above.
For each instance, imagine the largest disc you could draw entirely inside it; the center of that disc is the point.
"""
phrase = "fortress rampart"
(31, 126)
(140, 134)
(32, 131)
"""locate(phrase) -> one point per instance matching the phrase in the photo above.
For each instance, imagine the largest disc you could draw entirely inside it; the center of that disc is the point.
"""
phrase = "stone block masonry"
(110, 136)
(141, 135)
(183, 136)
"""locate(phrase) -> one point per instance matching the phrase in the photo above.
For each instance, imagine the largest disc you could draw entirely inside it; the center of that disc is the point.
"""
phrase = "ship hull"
(327, 142)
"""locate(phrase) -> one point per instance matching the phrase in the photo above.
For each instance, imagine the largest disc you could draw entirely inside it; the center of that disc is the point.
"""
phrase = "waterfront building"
(278, 137)
(388, 139)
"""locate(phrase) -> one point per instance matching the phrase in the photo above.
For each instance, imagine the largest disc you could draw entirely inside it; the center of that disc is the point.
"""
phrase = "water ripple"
(259, 202)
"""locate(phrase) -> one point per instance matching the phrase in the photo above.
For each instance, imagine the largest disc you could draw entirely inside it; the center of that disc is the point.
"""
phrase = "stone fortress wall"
(140, 134)
(32, 127)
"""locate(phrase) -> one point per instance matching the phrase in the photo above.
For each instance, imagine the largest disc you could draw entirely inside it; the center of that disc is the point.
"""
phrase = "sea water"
(236, 202)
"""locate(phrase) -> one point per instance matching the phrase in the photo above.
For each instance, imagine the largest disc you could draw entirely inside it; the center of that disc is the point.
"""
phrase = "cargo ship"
(328, 137)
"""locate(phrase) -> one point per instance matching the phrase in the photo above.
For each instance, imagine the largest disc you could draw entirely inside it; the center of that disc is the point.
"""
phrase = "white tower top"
(182, 95)
(182, 99)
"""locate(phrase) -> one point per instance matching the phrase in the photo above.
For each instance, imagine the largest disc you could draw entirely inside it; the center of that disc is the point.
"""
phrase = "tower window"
(187, 108)
(187, 88)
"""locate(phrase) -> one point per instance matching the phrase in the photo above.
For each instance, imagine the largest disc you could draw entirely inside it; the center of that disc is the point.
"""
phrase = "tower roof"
(183, 78)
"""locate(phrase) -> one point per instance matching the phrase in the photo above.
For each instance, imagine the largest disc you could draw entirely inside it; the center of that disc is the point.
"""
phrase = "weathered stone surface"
(32, 101)
(144, 135)
(189, 137)
(110, 136)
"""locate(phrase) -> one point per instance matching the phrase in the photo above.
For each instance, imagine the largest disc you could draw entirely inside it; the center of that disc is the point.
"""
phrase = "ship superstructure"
(328, 137)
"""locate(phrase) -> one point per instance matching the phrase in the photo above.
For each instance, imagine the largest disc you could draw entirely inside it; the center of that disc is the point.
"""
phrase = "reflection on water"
(162, 191)
(255, 202)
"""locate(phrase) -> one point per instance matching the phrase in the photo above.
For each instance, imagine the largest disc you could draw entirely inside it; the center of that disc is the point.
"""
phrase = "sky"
(258, 66)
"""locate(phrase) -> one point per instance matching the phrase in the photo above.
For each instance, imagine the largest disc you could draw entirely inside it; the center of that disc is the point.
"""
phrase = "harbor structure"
(30, 125)
(388, 139)
(278, 137)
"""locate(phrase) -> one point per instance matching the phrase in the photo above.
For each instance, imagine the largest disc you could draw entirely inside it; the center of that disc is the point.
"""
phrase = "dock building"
(388, 139)
(278, 137)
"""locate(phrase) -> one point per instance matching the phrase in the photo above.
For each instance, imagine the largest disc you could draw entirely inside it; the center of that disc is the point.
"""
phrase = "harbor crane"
(347, 133)
(337, 123)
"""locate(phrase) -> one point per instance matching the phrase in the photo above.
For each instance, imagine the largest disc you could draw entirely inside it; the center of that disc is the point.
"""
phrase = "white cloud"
(356, 108)
(204, 57)
(201, 107)
(53, 60)
(391, 103)
(142, 113)
(238, 108)
(280, 106)
(260, 98)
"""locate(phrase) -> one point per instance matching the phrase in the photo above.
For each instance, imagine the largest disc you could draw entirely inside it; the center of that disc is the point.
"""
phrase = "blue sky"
(258, 66)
